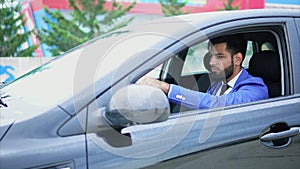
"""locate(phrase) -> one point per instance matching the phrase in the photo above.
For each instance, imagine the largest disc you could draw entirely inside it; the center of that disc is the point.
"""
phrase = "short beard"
(224, 75)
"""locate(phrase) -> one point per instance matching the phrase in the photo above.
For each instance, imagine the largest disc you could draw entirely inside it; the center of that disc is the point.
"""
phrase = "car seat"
(266, 65)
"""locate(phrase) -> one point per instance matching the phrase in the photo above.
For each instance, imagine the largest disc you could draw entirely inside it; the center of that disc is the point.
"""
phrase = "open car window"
(187, 68)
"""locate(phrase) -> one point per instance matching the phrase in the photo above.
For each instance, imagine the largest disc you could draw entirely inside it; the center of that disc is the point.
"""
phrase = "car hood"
(24, 115)
(5, 124)
(18, 109)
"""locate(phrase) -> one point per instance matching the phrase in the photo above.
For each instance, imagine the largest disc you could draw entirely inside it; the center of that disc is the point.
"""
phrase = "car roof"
(182, 25)
(204, 19)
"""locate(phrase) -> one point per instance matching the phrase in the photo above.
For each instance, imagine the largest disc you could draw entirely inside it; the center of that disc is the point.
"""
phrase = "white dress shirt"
(231, 83)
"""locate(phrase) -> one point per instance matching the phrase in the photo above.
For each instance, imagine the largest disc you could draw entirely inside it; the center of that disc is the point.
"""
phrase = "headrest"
(206, 60)
(265, 64)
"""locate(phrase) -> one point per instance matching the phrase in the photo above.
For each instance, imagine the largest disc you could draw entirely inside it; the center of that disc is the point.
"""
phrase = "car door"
(254, 135)
(261, 134)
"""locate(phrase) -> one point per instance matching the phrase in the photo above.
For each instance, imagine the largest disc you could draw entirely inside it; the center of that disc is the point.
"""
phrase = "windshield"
(53, 82)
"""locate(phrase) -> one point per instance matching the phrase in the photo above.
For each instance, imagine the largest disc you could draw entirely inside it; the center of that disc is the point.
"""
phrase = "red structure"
(34, 11)
(153, 6)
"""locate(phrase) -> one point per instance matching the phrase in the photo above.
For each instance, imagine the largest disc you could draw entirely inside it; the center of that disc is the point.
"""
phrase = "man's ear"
(238, 58)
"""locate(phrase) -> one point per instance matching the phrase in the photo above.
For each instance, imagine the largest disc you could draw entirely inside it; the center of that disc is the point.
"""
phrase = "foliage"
(228, 5)
(89, 18)
(12, 32)
(173, 7)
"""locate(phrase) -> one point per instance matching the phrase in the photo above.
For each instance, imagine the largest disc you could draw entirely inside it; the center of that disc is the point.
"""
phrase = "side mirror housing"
(137, 104)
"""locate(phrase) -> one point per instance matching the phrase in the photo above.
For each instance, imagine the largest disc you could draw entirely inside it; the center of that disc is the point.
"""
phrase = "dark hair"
(234, 43)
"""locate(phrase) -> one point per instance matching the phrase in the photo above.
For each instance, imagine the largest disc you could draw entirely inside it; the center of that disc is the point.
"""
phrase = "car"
(84, 109)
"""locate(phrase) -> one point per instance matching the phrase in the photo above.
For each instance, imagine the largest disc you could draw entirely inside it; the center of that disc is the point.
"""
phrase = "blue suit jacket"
(246, 89)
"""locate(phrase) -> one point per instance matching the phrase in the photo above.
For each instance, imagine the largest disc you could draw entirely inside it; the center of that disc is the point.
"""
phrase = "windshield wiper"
(2, 103)
(2, 84)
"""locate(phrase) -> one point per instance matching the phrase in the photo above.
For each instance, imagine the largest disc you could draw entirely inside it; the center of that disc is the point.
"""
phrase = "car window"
(190, 72)
(249, 53)
(267, 46)
(193, 63)
(155, 73)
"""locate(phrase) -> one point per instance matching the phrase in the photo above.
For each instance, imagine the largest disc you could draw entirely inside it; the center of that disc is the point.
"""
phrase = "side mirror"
(137, 104)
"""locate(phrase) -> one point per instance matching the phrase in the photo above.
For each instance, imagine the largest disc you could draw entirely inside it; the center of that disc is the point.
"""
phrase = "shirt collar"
(232, 82)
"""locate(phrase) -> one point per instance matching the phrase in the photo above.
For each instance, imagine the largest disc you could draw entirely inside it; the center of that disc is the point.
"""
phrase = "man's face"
(221, 62)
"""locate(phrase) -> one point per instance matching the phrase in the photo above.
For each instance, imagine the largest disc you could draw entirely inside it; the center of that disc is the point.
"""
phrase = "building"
(143, 10)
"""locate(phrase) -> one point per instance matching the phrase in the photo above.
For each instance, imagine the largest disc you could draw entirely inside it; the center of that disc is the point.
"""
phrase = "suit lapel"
(243, 76)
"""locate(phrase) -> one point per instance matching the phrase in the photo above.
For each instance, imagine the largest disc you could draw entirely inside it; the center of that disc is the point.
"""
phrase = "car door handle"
(293, 131)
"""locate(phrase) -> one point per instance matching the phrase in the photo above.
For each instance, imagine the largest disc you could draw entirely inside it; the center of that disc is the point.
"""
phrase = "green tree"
(228, 5)
(173, 7)
(12, 32)
(89, 18)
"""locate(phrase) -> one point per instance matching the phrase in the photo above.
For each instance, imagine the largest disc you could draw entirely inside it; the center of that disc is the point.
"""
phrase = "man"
(226, 71)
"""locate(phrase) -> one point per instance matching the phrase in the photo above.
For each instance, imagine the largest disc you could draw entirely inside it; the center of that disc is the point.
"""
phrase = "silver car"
(85, 110)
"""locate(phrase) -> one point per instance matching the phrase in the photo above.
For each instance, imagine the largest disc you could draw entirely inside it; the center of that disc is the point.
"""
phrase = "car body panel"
(250, 154)
(197, 132)
(35, 143)
(295, 52)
